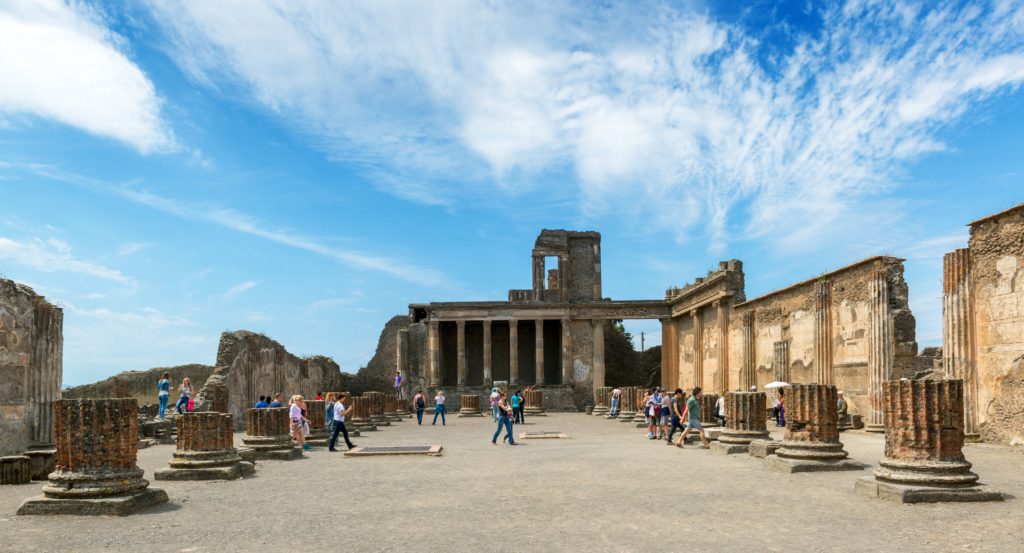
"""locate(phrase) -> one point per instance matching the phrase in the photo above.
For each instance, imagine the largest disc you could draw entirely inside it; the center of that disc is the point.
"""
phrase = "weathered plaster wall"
(997, 269)
(31, 367)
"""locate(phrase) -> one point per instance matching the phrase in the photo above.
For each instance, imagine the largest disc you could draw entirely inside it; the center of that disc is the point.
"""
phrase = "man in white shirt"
(340, 412)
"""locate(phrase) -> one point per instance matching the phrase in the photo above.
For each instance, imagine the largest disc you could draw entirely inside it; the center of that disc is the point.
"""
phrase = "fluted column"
(434, 347)
(488, 374)
(460, 346)
(627, 404)
(722, 376)
(781, 361)
(599, 368)
(823, 332)
(566, 352)
(748, 376)
(880, 348)
(958, 331)
(539, 342)
(513, 352)
(811, 441)
(698, 349)
(745, 421)
(469, 405)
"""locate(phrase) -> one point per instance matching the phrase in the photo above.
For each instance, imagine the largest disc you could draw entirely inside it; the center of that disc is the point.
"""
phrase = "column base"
(972, 438)
(289, 454)
(247, 454)
(729, 449)
(44, 461)
(763, 448)
(873, 428)
(785, 465)
(626, 416)
(230, 472)
(15, 469)
(120, 505)
(610, 416)
(364, 428)
(381, 421)
(871, 487)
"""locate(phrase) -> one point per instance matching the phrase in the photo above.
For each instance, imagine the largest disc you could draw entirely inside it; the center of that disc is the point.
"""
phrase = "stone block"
(44, 461)
(729, 449)
(230, 472)
(763, 448)
(901, 493)
(289, 454)
(785, 465)
(121, 505)
(15, 469)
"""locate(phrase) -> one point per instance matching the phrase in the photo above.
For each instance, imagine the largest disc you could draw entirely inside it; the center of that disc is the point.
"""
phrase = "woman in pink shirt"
(298, 420)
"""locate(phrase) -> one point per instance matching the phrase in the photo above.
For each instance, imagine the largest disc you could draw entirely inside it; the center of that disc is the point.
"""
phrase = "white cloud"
(147, 317)
(238, 289)
(132, 247)
(690, 119)
(53, 255)
(59, 61)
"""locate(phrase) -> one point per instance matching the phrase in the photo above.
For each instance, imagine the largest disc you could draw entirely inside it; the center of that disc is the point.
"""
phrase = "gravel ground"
(605, 489)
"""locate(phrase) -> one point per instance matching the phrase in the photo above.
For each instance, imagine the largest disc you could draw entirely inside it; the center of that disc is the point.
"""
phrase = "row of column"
(434, 374)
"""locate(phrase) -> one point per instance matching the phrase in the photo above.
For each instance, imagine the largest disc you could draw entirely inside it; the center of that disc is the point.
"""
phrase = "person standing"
(329, 411)
(420, 402)
(517, 407)
(319, 396)
(616, 394)
(693, 419)
(504, 421)
(184, 391)
(296, 418)
(338, 417)
(781, 417)
(439, 408)
(678, 406)
(262, 403)
(277, 401)
(720, 409)
(666, 411)
(398, 384)
(646, 403)
(495, 396)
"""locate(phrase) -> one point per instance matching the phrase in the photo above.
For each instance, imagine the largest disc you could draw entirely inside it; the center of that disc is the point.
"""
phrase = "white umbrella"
(776, 384)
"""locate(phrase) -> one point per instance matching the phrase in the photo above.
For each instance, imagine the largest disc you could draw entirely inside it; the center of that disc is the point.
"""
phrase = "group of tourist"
(664, 414)
(163, 392)
(269, 402)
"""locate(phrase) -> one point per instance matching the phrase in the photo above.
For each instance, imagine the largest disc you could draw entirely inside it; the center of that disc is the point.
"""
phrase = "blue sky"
(307, 169)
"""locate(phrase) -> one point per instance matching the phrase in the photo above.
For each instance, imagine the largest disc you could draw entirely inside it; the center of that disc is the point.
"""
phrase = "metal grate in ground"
(543, 436)
(369, 451)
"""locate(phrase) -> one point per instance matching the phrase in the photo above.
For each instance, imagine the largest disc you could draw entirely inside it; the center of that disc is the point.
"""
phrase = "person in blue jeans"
(163, 388)
(420, 402)
(517, 409)
(185, 389)
(439, 408)
(504, 421)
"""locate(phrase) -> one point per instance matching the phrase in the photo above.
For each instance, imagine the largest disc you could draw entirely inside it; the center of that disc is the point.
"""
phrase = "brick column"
(959, 353)
(924, 438)
(376, 406)
(469, 406)
(360, 419)
(748, 371)
(267, 434)
(745, 414)
(461, 352)
(811, 441)
(638, 398)
(205, 449)
(96, 471)
(513, 352)
(823, 333)
(566, 352)
(539, 343)
(627, 404)
(488, 374)
(880, 348)
(707, 409)
(316, 412)
(535, 403)
(602, 400)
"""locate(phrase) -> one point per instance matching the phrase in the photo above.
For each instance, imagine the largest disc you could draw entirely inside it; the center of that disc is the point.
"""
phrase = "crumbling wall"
(379, 373)
(31, 367)
(141, 385)
(997, 272)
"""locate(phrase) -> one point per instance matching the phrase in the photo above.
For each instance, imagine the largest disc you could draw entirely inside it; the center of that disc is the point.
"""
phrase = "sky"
(170, 171)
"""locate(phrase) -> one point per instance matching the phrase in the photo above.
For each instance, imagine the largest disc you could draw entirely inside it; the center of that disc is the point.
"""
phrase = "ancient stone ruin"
(924, 438)
(96, 471)
(268, 434)
(602, 401)
(469, 405)
(745, 421)
(205, 450)
(31, 367)
(811, 442)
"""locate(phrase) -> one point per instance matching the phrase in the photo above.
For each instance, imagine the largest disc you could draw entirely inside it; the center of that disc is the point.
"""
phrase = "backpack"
(420, 404)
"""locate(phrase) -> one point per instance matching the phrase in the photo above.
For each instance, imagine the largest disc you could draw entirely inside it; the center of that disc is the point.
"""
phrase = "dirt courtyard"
(605, 489)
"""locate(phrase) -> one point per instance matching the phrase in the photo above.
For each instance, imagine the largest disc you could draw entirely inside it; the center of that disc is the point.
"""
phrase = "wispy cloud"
(664, 114)
(51, 255)
(131, 248)
(147, 316)
(238, 289)
(61, 61)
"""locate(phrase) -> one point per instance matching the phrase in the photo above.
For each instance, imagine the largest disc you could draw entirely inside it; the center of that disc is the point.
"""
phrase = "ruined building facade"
(31, 367)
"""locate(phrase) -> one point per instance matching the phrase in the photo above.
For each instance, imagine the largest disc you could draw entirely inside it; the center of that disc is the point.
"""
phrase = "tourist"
(298, 421)
(262, 403)
(420, 402)
(616, 394)
(645, 408)
(277, 401)
(693, 419)
(319, 396)
(517, 407)
(439, 408)
(329, 411)
(841, 407)
(666, 412)
(338, 414)
(504, 421)
(720, 409)
(163, 392)
(780, 417)
(678, 406)
(495, 396)
(184, 391)
(398, 384)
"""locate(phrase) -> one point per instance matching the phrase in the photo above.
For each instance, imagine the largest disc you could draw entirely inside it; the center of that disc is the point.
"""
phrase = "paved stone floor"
(606, 489)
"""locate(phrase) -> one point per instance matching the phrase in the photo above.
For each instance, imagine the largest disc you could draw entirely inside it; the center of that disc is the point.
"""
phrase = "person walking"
(163, 392)
(439, 408)
(495, 396)
(184, 391)
(781, 416)
(678, 406)
(720, 409)
(298, 420)
(329, 411)
(645, 404)
(504, 421)
(666, 411)
(693, 419)
(420, 402)
(338, 414)
(398, 384)
(517, 407)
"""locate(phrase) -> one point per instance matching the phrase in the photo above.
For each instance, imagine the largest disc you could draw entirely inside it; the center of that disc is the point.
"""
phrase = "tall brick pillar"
(811, 442)
(96, 471)
(361, 415)
(205, 449)
(748, 371)
(376, 402)
(924, 438)
(745, 421)
(268, 434)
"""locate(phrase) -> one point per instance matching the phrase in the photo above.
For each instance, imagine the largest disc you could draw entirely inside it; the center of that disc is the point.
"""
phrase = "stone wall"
(996, 249)
(140, 385)
(31, 367)
(253, 365)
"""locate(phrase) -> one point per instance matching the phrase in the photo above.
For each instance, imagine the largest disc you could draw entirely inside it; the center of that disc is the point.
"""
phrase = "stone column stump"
(924, 438)
(707, 410)
(745, 421)
(535, 404)
(15, 469)
(394, 409)
(638, 408)
(361, 420)
(627, 404)
(602, 401)
(316, 412)
(206, 449)
(469, 406)
(376, 402)
(811, 442)
(96, 471)
(267, 434)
